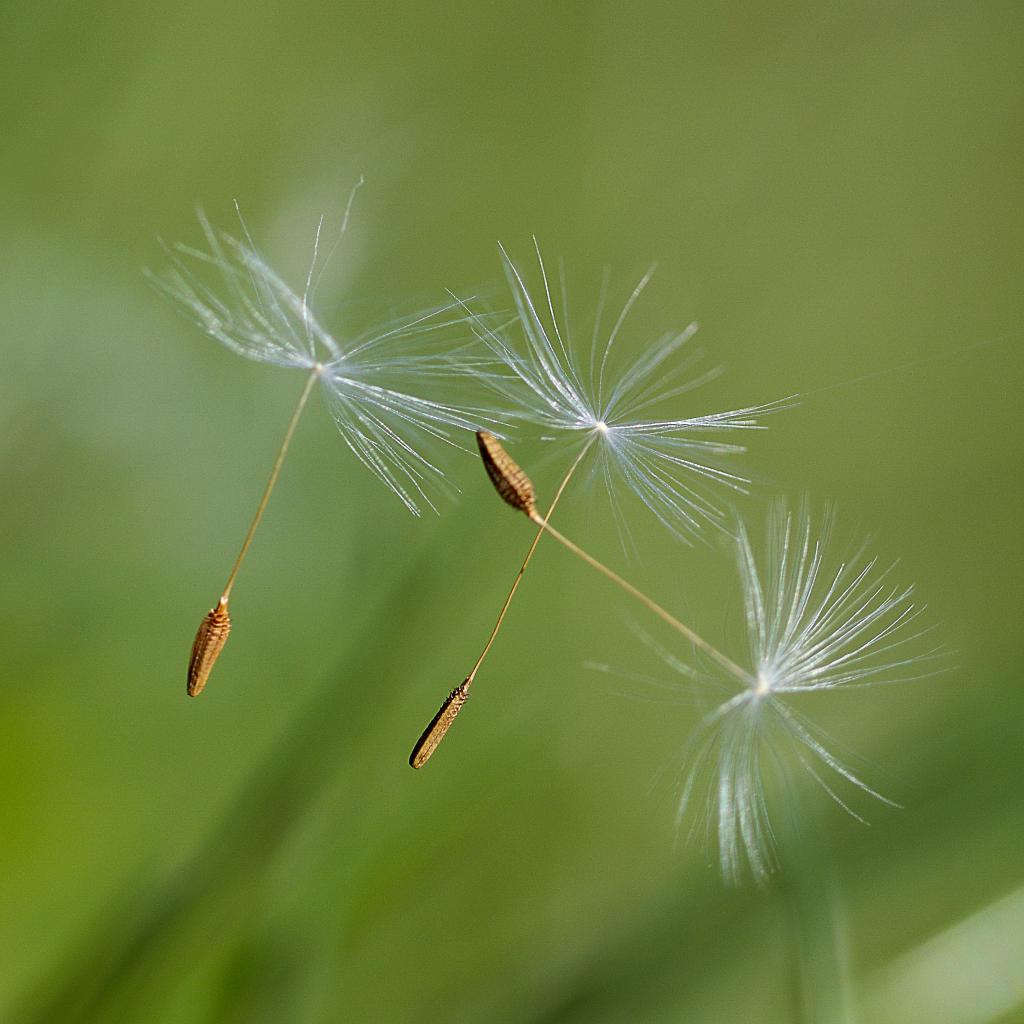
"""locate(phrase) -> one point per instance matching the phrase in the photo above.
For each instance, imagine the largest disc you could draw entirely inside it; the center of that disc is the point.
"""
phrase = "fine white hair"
(813, 623)
(678, 467)
(379, 385)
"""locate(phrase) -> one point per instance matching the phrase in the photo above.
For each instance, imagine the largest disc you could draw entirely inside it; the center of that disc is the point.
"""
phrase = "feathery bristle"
(814, 623)
(514, 486)
(209, 642)
(390, 389)
(439, 725)
(566, 385)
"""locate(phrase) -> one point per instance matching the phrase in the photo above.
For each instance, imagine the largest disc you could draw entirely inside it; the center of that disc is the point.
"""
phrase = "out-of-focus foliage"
(832, 191)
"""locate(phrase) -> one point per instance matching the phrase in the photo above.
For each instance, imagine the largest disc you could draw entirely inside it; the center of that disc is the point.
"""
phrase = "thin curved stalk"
(430, 738)
(216, 625)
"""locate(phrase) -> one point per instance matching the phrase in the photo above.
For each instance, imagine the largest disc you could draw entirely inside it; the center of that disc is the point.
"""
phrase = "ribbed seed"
(509, 480)
(441, 723)
(209, 642)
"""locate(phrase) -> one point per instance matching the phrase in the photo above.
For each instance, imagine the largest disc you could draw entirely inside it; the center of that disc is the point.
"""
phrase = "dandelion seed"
(515, 488)
(512, 484)
(673, 465)
(812, 625)
(367, 380)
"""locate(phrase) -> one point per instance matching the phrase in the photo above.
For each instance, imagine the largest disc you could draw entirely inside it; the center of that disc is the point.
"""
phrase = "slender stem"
(526, 561)
(698, 641)
(274, 473)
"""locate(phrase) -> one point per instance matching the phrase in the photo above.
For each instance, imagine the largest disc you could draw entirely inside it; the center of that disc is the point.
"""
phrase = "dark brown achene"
(514, 486)
(209, 642)
(441, 723)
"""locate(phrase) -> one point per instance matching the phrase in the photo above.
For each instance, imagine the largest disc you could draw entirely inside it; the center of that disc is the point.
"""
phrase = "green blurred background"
(831, 189)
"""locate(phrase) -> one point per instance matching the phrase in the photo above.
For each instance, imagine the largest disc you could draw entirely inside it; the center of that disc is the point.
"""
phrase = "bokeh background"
(833, 190)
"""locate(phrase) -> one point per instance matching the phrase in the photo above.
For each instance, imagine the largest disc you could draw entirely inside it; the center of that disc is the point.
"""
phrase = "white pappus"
(379, 386)
(677, 467)
(813, 624)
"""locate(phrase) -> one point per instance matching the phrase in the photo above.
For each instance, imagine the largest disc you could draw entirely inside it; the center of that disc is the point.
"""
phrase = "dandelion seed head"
(567, 387)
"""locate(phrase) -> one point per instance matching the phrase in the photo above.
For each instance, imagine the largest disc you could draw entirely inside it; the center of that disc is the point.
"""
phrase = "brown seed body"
(209, 642)
(509, 480)
(442, 721)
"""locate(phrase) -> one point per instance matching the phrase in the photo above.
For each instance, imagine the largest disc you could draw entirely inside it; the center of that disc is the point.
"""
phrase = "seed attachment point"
(209, 642)
(440, 724)
(514, 486)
